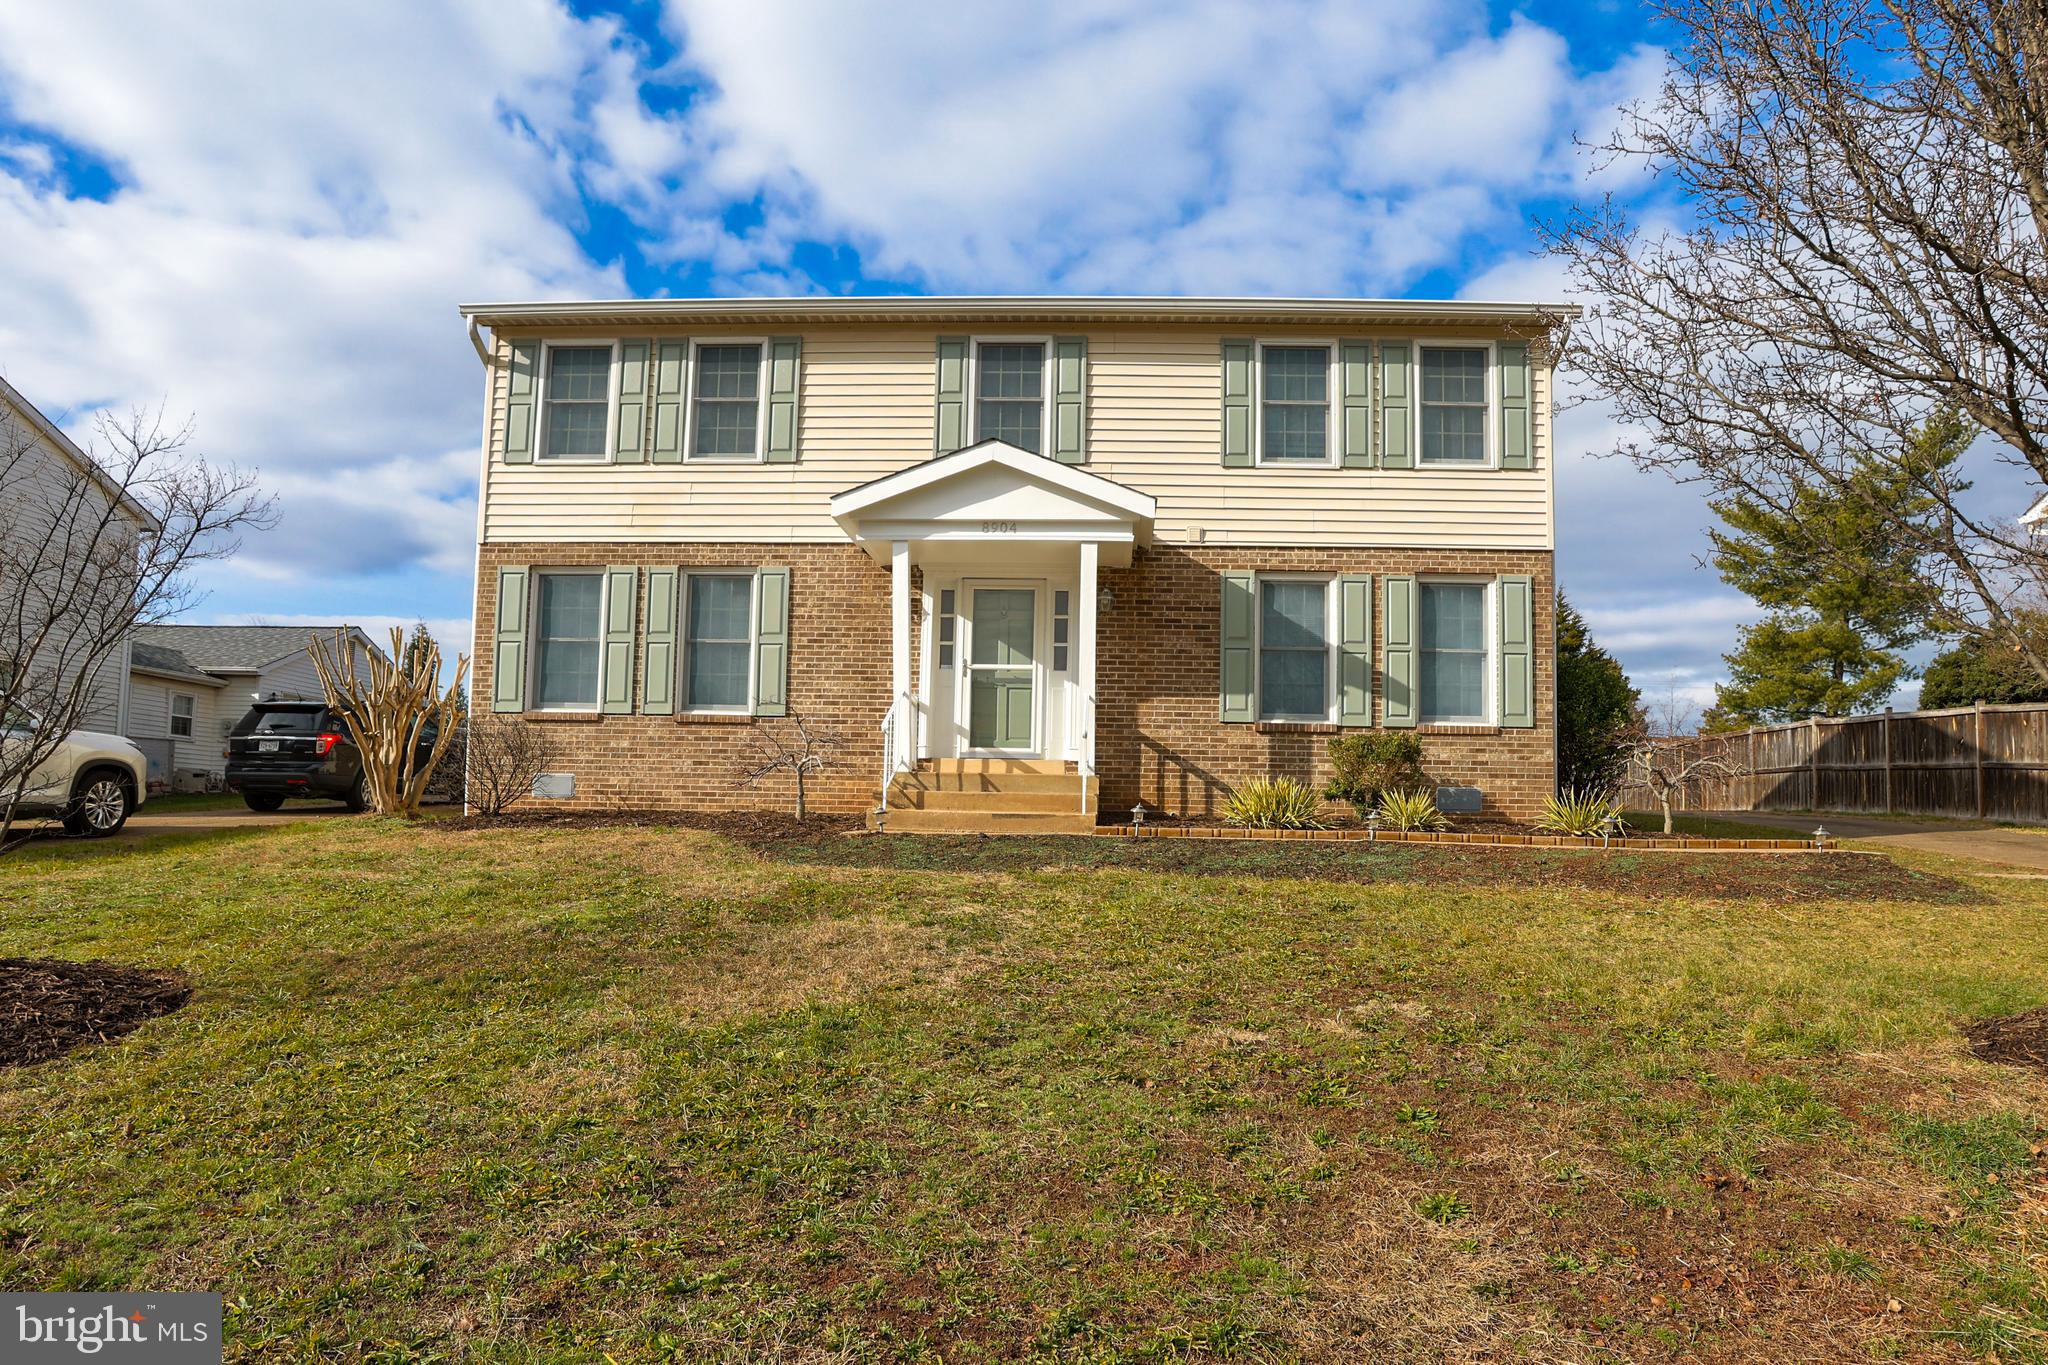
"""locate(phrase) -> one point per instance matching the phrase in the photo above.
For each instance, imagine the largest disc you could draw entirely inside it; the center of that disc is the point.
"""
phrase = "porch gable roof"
(957, 496)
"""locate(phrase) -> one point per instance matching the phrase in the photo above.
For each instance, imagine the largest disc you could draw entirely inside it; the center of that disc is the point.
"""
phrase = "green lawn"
(648, 1094)
(1652, 822)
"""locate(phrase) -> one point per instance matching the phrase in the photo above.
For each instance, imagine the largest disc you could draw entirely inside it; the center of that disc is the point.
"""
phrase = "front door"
(1002, 653)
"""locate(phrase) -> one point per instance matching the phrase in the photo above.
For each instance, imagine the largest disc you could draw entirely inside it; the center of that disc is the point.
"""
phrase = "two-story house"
(1029, 557)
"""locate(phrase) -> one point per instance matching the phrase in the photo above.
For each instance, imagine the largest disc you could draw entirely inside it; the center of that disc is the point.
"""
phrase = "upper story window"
(718, 642)
(1294, 649)
(182, 707)
(1294, 404)
(1454, 649)
(1454, 404)
(725, 417)
(1009, 393)
(568, 622)
(577, 403)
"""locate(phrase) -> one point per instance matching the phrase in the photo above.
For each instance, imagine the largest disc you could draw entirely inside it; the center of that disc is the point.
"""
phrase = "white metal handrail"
(1087, 748)
(888, 758)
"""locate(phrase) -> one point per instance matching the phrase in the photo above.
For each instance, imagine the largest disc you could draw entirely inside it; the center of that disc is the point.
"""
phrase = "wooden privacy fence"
(1982, 762)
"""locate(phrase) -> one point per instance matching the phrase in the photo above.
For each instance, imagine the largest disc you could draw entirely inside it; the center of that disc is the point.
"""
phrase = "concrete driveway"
(1979, 841)
(151, 824)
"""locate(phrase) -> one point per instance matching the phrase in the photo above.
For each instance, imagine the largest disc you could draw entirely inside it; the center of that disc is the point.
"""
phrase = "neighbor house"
(1028, 558)
(188, 685)
(68, 532)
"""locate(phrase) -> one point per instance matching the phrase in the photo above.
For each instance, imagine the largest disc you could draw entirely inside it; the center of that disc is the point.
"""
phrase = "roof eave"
(1377, 312)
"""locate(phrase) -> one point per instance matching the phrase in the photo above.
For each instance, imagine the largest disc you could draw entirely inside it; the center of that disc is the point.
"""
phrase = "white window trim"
(690, 396)
(1332, 455)
(534, 642)
(1045, 385)
(540, 408)
(1489, 617)
(682, 684)
(191, 717)
(1331, 607)
(1491, 424)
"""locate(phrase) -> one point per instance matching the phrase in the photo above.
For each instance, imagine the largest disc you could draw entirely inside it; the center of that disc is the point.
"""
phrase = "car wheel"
(358, 798)
(263, 801)
(99, 805)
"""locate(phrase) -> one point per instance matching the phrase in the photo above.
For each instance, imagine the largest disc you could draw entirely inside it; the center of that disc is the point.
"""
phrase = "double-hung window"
(181, 715)
(568, 621)
(1454, 652)
(1009, 393)
(1294, 649)
(576, 403)
(718, 642)
(1454, 404)
(1294, 404)
(725, 416)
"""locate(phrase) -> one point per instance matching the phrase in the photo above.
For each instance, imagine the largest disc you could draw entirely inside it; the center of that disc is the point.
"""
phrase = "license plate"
(266, 746)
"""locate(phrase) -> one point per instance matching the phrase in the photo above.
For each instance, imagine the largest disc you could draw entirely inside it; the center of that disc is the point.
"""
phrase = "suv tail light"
(324, 744)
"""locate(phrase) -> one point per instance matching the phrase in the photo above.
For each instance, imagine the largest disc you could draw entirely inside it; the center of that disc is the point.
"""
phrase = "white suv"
(93, 781)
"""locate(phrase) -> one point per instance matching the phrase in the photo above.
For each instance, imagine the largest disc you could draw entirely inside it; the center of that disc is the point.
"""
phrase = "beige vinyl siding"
(1154, 424)
(149, 717)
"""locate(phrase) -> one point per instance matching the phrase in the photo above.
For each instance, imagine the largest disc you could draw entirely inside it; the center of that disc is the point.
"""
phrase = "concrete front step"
(933, 781)
(1063, 802)
(910, 821)
(997, 766)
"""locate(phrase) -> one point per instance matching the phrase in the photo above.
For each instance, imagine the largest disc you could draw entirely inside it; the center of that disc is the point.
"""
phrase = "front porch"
(994, 556)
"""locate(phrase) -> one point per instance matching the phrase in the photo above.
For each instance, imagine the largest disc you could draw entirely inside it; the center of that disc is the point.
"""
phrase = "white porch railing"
(899, 744)
(1086, 748)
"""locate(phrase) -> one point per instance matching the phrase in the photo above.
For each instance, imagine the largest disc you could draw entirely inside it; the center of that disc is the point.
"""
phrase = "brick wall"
(1159, 736)
(1158, 733)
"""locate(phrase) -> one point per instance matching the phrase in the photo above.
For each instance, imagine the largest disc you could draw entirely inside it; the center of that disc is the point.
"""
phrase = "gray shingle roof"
(233, 649)
(164, 660)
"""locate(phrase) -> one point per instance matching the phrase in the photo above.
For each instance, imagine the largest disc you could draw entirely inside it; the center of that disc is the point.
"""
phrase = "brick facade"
(1158, 732)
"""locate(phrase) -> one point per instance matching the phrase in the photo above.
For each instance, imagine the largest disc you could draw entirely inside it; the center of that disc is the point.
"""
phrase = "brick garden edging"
(1651, 843)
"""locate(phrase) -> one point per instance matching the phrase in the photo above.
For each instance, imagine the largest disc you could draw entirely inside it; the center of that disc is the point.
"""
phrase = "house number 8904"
(999, 528)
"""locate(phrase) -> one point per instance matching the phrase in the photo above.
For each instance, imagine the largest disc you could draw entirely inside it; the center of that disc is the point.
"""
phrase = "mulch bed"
(2015, 1040)
(49, 1006)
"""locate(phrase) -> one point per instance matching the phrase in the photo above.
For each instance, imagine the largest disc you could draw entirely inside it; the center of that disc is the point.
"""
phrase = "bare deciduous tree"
(390, 709)
(799, 749)
(1869, 180)
(1668, 767)
(506, 757)
(89, 553)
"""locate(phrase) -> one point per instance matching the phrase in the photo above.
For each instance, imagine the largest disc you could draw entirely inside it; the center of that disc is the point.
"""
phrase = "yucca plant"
(1273, 803)
(1411, 810)
(1577, 810)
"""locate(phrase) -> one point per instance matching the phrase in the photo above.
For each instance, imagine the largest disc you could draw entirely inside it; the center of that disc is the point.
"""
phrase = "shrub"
(1368, 765)
(1273, 803)
(506, 756)
(1411, 810)
(1577, 810)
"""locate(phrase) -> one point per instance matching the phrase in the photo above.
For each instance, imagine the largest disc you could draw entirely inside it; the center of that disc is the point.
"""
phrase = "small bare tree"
(1667, 767)
(799, 749)
(389, 709)
(506, 757)
(88, 552)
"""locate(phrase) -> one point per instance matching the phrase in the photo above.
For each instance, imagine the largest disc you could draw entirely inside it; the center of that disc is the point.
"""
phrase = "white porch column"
(901, 705)
(1084, 653)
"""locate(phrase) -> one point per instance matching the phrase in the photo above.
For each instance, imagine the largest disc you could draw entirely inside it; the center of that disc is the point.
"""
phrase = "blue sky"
(270, 225)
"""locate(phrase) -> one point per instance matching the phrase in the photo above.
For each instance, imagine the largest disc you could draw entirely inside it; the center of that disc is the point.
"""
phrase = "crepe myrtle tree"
(1863, 245)
(88, 554)
(391, 705)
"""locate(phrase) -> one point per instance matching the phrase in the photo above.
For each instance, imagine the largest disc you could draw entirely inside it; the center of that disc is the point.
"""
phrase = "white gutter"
(900, 308)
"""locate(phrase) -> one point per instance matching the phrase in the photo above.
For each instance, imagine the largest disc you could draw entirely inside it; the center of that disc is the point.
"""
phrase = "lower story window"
(568, 623)
(718, 642)
(1294, 650)
(1454, 649)
(181, 715)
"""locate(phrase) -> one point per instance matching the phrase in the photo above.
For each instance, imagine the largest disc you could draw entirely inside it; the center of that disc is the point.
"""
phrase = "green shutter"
(951, 431)
(1240, 597)
(1513, 367)
(629, 441)
(771, 644)
(1237, 405)
(1070, 399)
(1354, 649)
(1517, 651)
(1399, 661)
(508, 650)
(658, 668)
(671, 367)
(519, 396)
(784, 355)
(1355, 370)
(1394, 415)
(621, 599)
